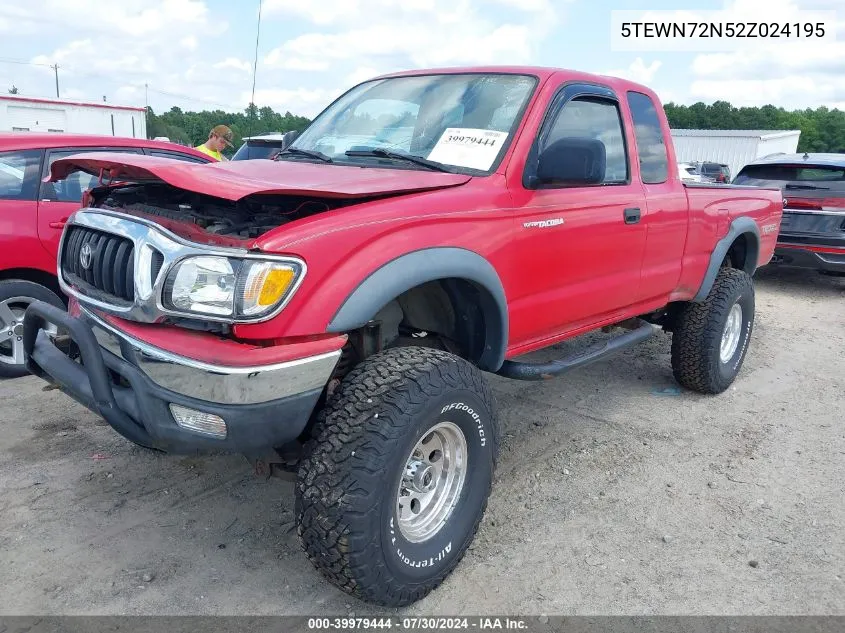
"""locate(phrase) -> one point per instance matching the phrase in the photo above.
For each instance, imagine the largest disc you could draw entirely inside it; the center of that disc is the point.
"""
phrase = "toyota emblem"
(86, 255)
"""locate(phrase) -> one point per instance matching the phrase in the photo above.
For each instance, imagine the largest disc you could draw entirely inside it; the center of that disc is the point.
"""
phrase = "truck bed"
(713, 206)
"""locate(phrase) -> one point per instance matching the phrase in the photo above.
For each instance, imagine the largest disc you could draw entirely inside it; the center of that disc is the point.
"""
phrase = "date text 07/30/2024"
(417, 623)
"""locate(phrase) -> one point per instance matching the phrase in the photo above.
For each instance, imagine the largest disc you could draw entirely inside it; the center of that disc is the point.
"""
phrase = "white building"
(18, 113)
(735, 148)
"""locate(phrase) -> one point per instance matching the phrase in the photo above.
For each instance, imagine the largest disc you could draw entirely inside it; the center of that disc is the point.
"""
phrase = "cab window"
(597, 119)
(651, 150)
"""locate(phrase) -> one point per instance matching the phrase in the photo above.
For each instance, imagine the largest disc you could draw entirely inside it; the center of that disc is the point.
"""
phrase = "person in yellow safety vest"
(219, 138)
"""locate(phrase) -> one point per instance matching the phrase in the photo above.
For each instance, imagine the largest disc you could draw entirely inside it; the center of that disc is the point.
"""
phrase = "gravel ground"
(616, 494)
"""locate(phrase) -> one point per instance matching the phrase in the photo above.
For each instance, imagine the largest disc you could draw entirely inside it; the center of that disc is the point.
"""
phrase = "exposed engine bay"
(245, 219)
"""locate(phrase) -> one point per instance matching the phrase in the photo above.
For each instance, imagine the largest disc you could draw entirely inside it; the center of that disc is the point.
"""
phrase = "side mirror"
(289, 138)
(572, 161)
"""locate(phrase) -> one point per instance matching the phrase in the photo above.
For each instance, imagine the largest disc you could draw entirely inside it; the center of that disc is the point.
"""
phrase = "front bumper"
(132, 385)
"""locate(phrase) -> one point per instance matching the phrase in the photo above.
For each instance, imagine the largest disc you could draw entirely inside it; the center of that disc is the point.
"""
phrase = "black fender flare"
(431, 264)
(739, 226)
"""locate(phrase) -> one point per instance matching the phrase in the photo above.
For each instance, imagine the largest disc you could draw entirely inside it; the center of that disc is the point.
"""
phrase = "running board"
(591, 354)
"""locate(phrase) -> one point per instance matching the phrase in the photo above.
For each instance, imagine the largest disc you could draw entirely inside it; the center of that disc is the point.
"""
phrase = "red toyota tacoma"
(334, 310)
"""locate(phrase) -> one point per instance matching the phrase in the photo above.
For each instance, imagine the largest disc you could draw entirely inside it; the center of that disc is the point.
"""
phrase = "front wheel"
(395, 481)
(15, 297)
(711, 338)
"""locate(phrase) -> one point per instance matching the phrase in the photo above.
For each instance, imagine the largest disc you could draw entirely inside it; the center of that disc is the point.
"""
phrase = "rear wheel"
(15, 297)
(711, 338)
(395, 481)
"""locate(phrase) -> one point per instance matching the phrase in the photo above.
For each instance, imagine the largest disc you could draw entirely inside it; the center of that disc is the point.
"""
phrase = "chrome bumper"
(214, 383)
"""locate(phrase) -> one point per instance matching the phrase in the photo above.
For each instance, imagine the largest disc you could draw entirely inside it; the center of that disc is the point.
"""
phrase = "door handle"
(632, 215)
(58, 225)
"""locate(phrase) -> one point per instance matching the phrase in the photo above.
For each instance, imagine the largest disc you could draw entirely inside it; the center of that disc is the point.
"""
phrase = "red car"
(332, 311)
(33, 214)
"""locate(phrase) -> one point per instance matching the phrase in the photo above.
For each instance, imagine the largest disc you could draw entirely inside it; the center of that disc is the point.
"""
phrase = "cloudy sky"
(198, 54)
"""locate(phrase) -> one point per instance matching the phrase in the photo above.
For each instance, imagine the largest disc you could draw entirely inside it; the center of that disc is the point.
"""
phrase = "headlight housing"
(229, 288)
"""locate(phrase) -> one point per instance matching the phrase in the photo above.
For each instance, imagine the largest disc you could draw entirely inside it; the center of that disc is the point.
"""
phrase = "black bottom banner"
(394, 623)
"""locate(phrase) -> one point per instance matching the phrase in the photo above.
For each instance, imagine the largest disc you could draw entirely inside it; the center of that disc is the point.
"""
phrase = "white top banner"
(766, 27)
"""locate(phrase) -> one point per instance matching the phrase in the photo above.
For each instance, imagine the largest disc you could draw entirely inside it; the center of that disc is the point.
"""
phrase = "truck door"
(666, 199)
(58, 200)
(579, 246)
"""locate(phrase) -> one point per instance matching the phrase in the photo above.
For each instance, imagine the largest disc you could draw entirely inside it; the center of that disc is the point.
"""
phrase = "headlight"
(229, 287)
(265, 285)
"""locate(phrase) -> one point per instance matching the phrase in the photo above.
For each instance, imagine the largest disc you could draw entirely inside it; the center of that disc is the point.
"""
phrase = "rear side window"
(249, 151)
(809, 176)
(596, 119)
(176, 156)
(19, 172)
(651, 150)
(70, 189)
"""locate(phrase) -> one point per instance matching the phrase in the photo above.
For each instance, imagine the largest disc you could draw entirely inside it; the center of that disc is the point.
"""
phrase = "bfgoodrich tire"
(395, 481)
(15, 298)
(710, 339)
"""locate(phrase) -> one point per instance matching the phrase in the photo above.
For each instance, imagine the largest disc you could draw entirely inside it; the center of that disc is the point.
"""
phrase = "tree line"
(191, 128)
(822, 129)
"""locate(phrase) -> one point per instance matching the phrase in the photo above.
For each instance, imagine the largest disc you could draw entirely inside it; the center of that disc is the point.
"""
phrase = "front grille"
(110, 269)
(158, 262)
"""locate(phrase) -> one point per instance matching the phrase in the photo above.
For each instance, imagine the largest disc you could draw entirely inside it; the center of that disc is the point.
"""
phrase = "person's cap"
(221, 131)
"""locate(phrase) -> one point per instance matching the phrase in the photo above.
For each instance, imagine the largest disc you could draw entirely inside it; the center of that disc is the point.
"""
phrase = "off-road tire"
(348, 479)
(29, 291)
(698, 331)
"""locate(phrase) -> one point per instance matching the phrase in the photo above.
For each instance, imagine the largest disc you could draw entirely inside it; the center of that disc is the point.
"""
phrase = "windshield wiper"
(379, 152)
(304, 152)
(806, 187)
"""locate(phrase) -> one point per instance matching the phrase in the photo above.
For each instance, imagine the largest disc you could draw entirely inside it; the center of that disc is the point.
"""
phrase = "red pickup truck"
(334, 310)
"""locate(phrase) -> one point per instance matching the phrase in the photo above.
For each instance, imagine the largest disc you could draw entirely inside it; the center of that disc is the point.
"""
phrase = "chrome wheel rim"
(431, 482)
(11, 329)
(730, 335)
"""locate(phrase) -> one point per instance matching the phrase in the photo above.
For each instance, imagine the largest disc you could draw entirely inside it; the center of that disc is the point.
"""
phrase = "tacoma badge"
(542, 224)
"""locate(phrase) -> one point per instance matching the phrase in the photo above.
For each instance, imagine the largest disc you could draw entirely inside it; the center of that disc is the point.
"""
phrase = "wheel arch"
(741, 245)
(411, 270)
(34, 275)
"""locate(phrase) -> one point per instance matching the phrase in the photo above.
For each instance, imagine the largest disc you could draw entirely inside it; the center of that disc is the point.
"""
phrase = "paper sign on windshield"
(467, 147)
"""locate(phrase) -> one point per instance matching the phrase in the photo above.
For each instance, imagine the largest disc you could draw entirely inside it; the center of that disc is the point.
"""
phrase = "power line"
(23, 62)
(255, 63)
(147, 87)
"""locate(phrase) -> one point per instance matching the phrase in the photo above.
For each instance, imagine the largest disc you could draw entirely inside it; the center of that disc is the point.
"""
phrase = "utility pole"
(253, 108)
(147, 125)
(56, 70)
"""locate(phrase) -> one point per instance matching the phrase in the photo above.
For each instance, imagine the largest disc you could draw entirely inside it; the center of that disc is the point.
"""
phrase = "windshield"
(826, 177)
(461, 121)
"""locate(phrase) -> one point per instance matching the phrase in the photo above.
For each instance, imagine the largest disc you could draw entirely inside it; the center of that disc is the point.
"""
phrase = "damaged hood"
(237, 179)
